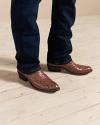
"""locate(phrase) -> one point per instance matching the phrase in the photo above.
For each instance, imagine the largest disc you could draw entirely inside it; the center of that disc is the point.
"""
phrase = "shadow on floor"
(7, 61)
(12, 77)
(12, 63)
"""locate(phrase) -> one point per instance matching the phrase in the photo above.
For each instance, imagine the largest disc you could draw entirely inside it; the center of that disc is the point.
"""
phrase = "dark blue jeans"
(26, 34)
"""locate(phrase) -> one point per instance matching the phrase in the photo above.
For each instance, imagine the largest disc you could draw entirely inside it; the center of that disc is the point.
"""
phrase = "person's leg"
(27, 38)
(59, 41)
(26, 34)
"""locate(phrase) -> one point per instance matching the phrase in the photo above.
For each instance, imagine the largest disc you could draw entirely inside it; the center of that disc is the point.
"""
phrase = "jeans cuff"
(60, 61)
(29, 70)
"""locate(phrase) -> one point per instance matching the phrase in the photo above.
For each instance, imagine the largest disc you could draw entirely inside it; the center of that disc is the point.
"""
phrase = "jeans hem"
(60, 61)
(30, 71)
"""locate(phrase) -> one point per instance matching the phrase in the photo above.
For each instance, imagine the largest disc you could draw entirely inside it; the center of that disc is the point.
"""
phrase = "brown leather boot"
(71, 67)
(40, 81)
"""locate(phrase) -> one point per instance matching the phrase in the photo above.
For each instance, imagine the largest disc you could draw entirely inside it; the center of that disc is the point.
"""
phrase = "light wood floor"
(78, 101)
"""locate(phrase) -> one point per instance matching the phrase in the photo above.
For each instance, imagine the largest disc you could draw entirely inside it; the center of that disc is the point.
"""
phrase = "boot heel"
(22, 77)
(53, 68)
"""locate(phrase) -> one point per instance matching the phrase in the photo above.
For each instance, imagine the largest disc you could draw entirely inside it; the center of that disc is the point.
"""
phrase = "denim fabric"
(59, 41)
(26, 34)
